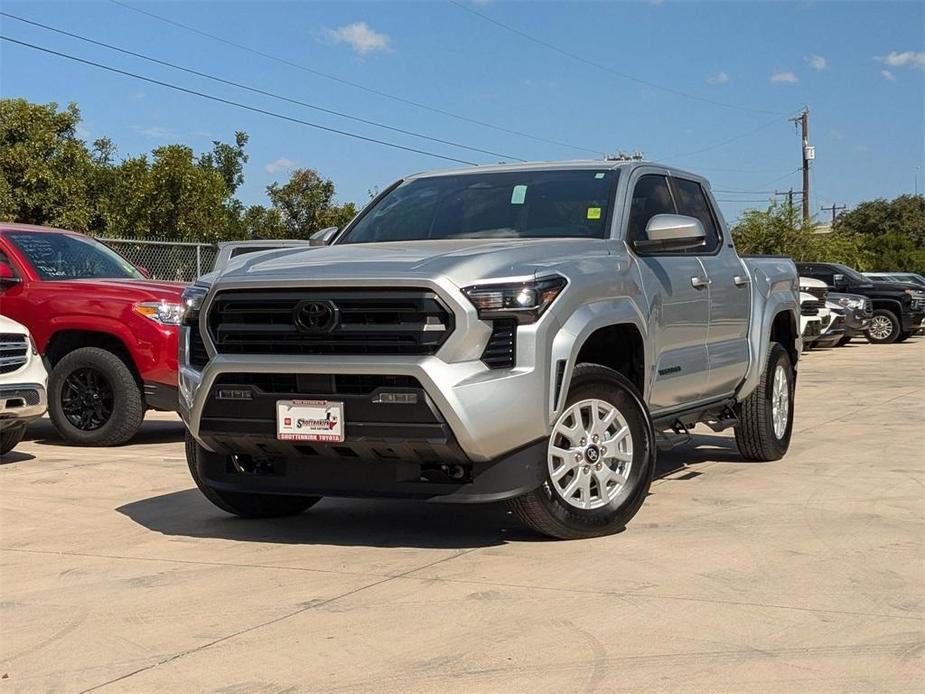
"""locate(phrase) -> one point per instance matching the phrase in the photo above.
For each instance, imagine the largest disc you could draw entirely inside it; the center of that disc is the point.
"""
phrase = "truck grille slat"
(14, 352)
(380, 321)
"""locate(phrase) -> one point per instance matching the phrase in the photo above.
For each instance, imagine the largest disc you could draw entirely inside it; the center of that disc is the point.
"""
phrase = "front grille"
(501, 350)
(367, 321)
(820, 293)
(14, 352)
(809, 308)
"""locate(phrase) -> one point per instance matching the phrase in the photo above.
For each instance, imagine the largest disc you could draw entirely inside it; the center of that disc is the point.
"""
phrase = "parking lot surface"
(802, 575)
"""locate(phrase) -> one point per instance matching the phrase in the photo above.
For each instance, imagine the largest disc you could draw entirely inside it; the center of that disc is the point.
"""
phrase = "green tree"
(306, 204)
(45, 168)
(781, 230)
(902, 215)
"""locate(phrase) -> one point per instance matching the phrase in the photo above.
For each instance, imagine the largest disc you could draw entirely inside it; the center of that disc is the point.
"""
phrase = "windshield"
(853, 275)
(67, 257)
(515, 204)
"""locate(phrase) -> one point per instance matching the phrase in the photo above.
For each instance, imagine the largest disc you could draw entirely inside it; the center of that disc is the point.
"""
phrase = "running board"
(678, 436)
(719, 413)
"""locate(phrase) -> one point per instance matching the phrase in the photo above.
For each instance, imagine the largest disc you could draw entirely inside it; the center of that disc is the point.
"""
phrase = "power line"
(355, 85)
(256, 90)
(599, 66)
(728, 141)
(229, 102)
(744, 201)
(743, 192)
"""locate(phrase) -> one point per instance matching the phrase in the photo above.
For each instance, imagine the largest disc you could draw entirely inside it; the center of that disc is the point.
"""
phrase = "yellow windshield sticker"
(594, 213)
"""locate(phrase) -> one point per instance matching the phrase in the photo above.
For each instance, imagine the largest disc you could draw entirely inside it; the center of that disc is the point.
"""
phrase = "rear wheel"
(242, 504)
(599, 463)
(884, 327)
(94, 399)
(10, 436)
(766, 415)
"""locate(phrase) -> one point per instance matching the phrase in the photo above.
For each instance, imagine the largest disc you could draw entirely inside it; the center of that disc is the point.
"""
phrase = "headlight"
(916, 294)
(160, 312)
(851, 303)
(192, 301)
(525, 301)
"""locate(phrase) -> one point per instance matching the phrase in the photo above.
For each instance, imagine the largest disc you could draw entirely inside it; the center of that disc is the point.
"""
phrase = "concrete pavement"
(806, 574)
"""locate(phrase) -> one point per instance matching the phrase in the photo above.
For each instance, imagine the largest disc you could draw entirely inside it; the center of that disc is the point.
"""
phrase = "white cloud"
(784, 77)
(281, 164)
(155, 132)
(719, 78)
(888, 76)
(361, 37)
(904, 59)
(817, 62)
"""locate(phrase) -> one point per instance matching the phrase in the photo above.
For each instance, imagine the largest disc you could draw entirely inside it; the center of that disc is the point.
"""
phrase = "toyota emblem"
(315, 316)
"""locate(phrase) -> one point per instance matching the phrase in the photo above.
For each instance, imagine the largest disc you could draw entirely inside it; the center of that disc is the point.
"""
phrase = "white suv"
(23, 383)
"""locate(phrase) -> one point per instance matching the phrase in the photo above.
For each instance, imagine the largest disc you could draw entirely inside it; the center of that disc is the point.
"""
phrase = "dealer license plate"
(310, 420)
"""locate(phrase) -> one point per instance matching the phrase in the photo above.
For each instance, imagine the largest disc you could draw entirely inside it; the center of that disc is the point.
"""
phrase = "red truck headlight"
(161, 312)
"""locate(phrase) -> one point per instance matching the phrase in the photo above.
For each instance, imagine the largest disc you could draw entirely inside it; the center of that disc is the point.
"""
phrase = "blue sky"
(859, 66)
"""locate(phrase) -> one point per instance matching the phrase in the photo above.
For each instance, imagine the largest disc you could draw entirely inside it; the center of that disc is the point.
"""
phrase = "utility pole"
(834, 209)
(809, 153)
(789, 193)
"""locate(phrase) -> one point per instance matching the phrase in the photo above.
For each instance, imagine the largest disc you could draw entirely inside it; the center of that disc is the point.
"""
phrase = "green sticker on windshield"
(518, 195)
(594, 213)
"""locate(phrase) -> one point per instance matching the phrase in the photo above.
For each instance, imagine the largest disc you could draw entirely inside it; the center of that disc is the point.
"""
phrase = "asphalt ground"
(807, 574)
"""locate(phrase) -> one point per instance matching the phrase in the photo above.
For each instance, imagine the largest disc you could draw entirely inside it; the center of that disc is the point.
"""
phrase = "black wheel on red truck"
(94, 398)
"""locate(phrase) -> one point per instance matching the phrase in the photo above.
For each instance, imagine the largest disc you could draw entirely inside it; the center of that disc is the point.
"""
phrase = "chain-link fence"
(179, 261)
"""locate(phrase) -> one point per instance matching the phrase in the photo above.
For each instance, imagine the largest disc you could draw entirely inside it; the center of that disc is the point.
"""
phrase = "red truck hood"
(128, 290)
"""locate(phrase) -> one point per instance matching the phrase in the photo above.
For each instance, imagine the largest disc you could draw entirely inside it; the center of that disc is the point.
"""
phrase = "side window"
(651, 196)
(5, 260)
(693, 202)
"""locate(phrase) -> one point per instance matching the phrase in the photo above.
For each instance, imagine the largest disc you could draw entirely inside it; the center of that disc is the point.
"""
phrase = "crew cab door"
(677, 295)
(729, 292)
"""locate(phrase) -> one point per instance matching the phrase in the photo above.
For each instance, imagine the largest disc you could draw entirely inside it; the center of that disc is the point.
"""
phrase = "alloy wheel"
(590, 454)
(880, 328)
(87, 399)
(780, 401)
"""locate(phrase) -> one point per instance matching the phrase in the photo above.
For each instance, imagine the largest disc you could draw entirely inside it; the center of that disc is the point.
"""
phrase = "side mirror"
(144, 271)
(839, 282)
(8, 277)
(323, 237)
(672, 232)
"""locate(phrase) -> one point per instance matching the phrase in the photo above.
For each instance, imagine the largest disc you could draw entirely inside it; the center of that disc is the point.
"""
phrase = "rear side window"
(651, 196)
(692, 202)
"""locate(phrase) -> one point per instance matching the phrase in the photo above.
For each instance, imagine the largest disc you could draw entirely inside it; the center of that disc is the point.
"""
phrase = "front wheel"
(10, 436)
(244, 504)
(94, 399)
(766, 415)
(599, 460)
(884, 327)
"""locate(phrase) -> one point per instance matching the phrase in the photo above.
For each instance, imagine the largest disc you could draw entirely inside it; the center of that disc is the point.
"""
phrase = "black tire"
(895, 327)
(243, 504)
(120, 412)
(903, 336)
(544, 509)
(844, 341)
(755, 435)
(10, 436)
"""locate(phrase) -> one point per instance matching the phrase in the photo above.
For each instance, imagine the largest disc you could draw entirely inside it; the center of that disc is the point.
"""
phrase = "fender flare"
(573, 334)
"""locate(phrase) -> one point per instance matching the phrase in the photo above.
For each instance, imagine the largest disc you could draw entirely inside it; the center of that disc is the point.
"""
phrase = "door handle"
(700, 282)
(740, 281)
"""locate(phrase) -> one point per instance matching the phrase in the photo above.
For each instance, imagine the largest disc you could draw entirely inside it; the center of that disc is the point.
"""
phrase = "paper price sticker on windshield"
(594, 213)
(310, 420)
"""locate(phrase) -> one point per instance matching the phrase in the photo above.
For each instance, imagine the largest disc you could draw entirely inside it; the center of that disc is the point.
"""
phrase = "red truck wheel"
(94, 399)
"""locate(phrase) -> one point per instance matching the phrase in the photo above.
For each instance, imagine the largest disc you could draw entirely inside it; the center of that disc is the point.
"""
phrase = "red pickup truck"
(108, 333)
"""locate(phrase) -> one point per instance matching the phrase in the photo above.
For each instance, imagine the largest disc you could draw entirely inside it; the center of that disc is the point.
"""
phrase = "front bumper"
(23, 402)
(913, 321)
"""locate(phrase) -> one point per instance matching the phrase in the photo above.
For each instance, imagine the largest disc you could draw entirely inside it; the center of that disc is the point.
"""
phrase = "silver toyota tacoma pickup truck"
(529, 333)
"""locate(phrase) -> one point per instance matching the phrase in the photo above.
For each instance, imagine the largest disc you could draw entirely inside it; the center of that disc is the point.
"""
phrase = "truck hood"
(463, 261)
(123, 289)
